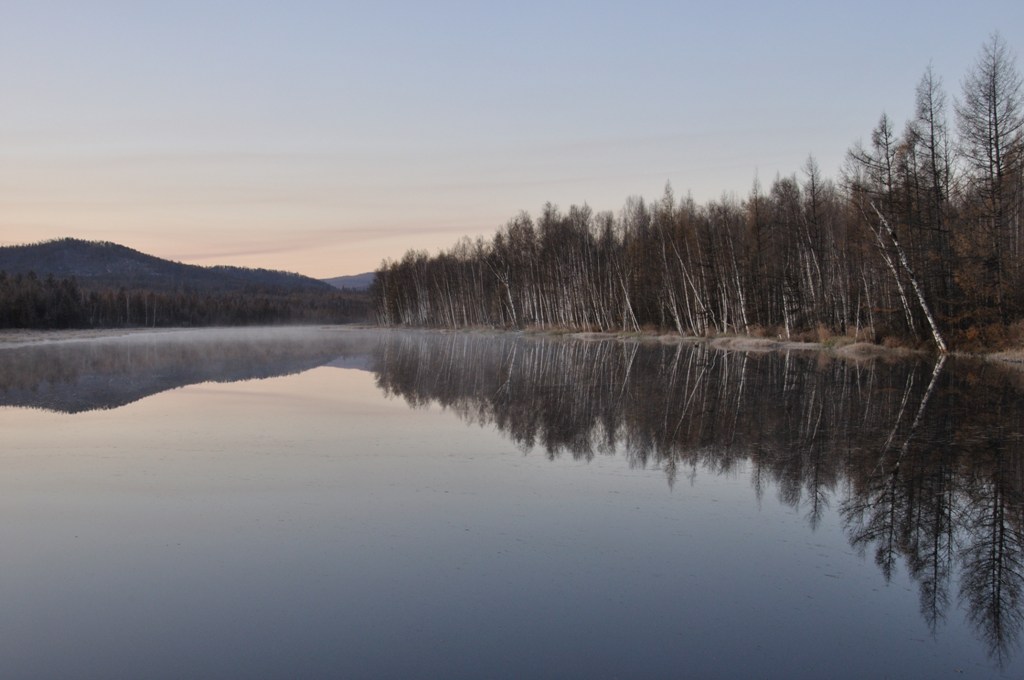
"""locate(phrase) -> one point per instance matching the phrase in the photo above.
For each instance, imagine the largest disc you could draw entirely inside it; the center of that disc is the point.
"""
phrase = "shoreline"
(843, 347)
(748, 343)
(23, 337)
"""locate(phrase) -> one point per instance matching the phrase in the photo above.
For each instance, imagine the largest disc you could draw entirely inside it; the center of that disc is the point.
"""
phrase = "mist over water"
(463, 504)
(75, 372)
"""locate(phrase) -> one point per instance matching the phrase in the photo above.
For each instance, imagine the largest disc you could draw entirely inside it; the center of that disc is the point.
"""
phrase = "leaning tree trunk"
(936, 335)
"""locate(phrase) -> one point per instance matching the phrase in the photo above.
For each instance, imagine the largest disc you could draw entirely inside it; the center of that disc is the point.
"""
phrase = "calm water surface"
(338, 503)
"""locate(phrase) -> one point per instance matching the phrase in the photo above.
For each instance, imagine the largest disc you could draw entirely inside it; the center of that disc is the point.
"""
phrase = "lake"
(356, 503)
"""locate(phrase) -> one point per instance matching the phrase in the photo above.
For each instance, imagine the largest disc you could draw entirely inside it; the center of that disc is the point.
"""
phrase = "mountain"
(353, 282)
(99, 265)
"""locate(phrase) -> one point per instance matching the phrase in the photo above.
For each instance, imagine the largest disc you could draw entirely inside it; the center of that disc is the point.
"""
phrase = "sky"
(324, 137)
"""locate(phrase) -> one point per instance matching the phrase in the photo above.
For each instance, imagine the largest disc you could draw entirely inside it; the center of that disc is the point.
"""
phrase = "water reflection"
(73, 376)
(922, 460)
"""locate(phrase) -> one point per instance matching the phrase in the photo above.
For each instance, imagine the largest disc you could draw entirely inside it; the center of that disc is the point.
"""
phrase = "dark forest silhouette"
(28, 301)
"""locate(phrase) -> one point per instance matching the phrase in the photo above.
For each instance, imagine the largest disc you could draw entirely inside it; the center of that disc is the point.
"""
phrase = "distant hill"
(103, 265)
(353, 282)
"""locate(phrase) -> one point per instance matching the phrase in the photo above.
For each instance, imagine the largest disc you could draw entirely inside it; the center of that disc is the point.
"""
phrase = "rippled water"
(338, 503)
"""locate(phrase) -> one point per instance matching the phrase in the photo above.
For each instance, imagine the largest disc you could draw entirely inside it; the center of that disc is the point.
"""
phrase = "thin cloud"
(296, 242)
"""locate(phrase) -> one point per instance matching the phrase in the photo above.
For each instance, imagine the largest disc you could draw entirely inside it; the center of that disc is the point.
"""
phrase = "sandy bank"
(844, 348)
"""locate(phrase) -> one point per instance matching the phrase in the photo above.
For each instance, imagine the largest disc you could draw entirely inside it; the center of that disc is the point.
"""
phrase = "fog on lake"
(360, 503)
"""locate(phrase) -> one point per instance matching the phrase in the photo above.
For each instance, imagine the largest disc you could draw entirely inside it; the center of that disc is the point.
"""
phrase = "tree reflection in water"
(923, 460)
(73, 376)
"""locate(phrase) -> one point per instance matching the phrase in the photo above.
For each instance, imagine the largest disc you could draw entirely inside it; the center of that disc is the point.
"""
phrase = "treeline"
(807, 256)
(27, 301)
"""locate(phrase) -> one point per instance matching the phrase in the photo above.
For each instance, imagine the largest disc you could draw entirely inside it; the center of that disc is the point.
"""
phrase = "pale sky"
(322, 137)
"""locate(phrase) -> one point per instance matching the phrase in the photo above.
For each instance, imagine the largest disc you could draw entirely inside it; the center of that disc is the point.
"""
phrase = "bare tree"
(990, 118)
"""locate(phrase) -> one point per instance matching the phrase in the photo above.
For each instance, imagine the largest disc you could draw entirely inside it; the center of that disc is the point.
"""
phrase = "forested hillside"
(98, 265)
(352, 282)
(80, 284)
(919, 239)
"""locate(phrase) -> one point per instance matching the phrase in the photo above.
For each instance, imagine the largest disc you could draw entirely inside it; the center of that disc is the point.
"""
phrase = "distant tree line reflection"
(110, 372)
(922, 461)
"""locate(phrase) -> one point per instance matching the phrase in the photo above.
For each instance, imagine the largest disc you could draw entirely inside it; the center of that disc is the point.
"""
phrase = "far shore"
(841, 347)
(20, 337)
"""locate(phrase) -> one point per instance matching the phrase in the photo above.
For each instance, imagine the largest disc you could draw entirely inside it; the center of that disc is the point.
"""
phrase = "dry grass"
(745, 344)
